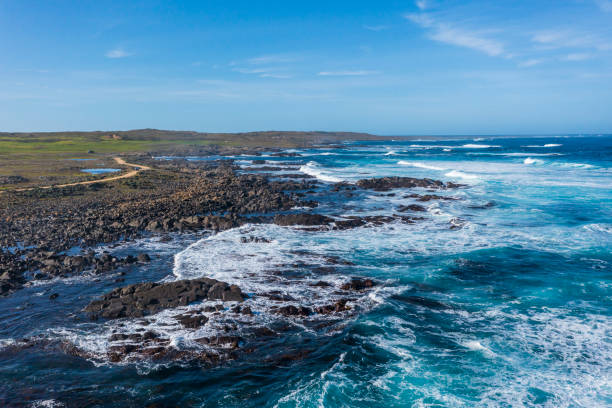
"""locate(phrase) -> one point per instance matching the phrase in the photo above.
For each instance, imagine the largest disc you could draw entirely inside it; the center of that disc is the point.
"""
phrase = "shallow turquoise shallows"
(100, 171)
(500, 297)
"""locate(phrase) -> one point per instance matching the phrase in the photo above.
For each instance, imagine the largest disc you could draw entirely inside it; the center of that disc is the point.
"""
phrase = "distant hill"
(266, 138)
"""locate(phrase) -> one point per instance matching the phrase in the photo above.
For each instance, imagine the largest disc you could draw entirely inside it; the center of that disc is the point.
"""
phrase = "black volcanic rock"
(358, 284)
(411, 207)
(388, 183)
(147, 298)
(302, 219)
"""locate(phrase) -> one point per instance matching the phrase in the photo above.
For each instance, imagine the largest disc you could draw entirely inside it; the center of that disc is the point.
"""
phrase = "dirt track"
(119, 161)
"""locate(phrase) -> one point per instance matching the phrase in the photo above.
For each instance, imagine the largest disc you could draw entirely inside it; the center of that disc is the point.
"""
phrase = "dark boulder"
(294, 311)
(302, 219)
(358, 284)
(411, 207)
(192, 321)
(388, 183)
(143, 258)
(147, 298)
(339, 306)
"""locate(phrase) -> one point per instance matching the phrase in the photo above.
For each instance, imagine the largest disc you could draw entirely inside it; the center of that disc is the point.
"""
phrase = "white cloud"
(272, 59)
(422, 4)
(604, 5)
(347, 73)
(117, 53)
(445, 33)
(530, 63)
(276, 76)
(251, 70)
(579, 56)
(554, 39)
(267, 72)
(375, 27)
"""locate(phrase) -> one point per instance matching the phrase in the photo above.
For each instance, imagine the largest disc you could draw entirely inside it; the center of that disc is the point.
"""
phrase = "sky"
(425, 67)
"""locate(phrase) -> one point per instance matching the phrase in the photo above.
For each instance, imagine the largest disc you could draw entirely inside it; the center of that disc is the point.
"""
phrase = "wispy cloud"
(347, 73)
(276, 76)
(604, 5)
(273, 59)
(264, 72)
(375, 27)
(422, 4)
(531, 62)
(579, 56)
(266, 66)
(117, 53)
(554, 39)
(446, 33)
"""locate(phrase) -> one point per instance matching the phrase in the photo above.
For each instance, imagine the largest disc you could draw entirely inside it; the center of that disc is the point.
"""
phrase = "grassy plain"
(37, 159)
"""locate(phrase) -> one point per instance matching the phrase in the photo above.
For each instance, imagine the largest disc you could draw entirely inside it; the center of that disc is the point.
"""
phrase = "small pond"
(100, 171)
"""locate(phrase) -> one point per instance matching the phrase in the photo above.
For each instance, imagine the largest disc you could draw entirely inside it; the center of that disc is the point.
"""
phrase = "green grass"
(42, 157)
(77, 145)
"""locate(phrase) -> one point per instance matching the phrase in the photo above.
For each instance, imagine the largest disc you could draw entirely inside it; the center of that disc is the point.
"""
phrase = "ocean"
(501, 296)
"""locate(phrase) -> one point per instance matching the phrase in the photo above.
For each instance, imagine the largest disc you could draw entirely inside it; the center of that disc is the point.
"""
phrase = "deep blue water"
(509, 308)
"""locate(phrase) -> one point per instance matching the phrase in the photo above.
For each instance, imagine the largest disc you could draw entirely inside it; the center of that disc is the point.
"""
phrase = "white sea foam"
(478, 146)
(49, 403)
(514, 154)
(475, 345)
(312, 169)
(577, 165)
(599, 228)
(529, 160)
(416, 146)
(420, 165)
(462, 175)
(546, 145)
(391, 153)
(465, 146)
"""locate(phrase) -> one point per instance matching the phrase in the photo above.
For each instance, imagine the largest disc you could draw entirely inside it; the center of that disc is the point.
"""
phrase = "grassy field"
(48, 158)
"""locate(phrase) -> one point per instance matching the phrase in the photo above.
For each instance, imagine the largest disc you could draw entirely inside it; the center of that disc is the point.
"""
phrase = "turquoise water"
(500, 298)
(100, 171)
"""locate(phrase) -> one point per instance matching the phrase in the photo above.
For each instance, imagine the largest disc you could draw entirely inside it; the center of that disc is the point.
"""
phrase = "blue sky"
(387, 67)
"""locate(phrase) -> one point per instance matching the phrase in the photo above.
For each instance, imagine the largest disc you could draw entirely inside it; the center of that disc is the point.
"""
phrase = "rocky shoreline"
(53, 233)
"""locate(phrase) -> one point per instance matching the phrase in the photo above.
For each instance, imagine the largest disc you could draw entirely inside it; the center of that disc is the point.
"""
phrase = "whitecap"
(312, 170)
(431, 146)
(49, 403)
(515, 154)
(475, 345)
(460, 174)
(599, 228)
(478, 146)
(546, 145)
(419, 165)
(577, 165)
(529, 160)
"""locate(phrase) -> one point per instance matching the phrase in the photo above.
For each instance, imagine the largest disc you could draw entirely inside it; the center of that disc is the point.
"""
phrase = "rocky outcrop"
(429, 197)
(411, 207)
(6, 180)
(321, 222)
(148, 298)
(302, 219)
(173, 197)
(358, 284)
(388, 183)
